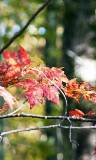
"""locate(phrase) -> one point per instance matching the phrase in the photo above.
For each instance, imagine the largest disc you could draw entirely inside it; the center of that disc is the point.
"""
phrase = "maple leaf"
(32, 91)
(88, 92)
(36, 92)
(51, 93)
(9, 74)
(34, 96)
(44, 82)
(11, 69)
(91, 113)
(40, 83)
(54, 74)
(76, 113)
(27, 83)
(77, 90)
(21, 57)
(72, 90)
(3, 68)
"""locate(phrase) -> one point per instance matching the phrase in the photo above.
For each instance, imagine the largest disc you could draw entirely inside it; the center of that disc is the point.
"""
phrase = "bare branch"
(4, 133)
(28, 129)
(26, 115)
(25, 27)
(78, 127)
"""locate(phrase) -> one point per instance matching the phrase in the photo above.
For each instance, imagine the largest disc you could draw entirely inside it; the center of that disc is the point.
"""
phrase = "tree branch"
(4, 133)
(15, 36)
(26, 115)
(28, 129)
(78, 127)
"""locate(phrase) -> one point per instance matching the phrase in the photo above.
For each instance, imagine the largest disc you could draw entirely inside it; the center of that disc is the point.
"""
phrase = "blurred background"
(63, 35)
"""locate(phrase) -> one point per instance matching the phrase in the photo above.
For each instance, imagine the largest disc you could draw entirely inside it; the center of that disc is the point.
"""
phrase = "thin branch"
(28, 129)
(26, 115)
(4, 133)
(78, 127)
(25, 26)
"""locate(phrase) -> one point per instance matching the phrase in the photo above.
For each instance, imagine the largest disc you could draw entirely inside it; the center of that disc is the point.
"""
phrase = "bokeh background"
(63, 35)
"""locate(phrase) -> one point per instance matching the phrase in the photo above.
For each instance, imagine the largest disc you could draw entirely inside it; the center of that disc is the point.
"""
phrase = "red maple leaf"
(76, 113)
(41, 83)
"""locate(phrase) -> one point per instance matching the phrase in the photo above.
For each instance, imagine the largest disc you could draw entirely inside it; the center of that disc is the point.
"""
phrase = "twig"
(28, 129)
(26, 115)
(4, 133)
(25, 26)
(78, 127)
